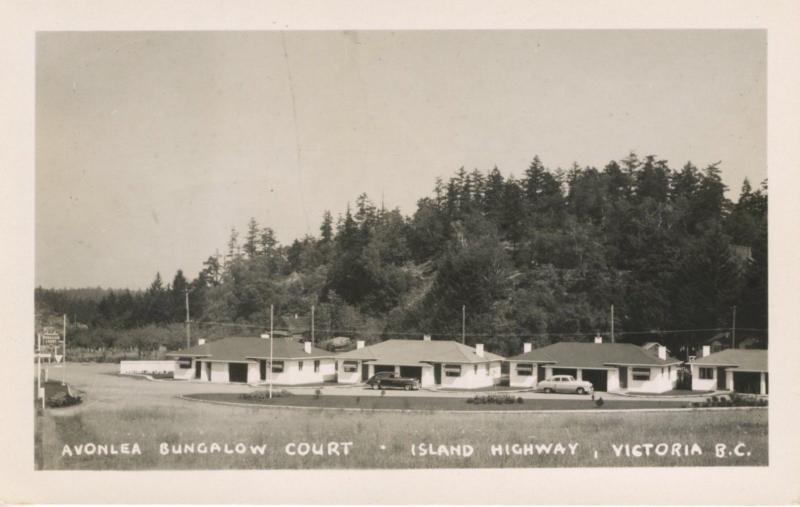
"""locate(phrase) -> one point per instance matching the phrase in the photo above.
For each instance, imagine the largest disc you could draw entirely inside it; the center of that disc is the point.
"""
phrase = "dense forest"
(539, 258)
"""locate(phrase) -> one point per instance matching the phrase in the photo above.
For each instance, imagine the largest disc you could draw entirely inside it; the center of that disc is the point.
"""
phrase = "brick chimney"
(426, 338)
(527, 347)
(307, 347)
(359, 344)
(662, 352)
(706, 350)
(201, 341)
(479, 349)
(265, 335)
(598, 339)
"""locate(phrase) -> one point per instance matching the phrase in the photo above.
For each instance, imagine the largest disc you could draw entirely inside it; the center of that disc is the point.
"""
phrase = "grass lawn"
(436, 403)
(384, 439)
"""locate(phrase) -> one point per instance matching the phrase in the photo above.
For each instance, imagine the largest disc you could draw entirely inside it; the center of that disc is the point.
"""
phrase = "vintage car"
(389, 379)
(564, 384)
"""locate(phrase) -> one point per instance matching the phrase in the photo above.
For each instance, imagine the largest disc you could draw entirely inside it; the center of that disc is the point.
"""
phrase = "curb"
(421, 411)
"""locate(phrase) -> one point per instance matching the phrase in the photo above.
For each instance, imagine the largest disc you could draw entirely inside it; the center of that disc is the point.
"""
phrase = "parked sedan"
(564, 384)
(386, 379)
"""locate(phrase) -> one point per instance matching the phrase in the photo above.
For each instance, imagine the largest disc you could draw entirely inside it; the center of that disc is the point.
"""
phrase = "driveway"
(103, 386)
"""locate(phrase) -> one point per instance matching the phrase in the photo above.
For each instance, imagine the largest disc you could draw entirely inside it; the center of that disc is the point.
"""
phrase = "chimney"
(662, 352)
(706, 350)
(479, 349)
(359, 344)
(201, 341)
(598, 339)
(527, 347)
(307, 347)
(426, 338)
(265, 335)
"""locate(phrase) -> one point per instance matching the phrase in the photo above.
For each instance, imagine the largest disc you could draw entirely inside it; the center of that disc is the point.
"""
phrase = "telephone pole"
(188, 325)
(270, 351)
(612, 323)
(64, 359)
(733, 329)
(463, 324)
(312, 324)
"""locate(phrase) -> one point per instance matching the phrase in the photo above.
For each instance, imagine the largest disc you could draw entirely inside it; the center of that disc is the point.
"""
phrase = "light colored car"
(564, 384)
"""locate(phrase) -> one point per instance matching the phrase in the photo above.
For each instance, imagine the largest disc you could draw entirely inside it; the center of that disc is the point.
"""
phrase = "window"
(350, 366)
(316, 366)
(185, 363)
(277, 367)
(452, 370)
(525, 369)
(641, 374)
(299, 365)
(707, 373)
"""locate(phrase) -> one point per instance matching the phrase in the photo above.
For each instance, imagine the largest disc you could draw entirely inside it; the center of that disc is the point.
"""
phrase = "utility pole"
(39, 388)
(612, 323)
(733, 329)
(64, 365)
(312, 324)
(463, 324)
(270, 350)
(188, 325)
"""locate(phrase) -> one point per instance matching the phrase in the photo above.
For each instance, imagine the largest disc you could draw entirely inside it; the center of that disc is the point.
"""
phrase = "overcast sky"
(151, 146)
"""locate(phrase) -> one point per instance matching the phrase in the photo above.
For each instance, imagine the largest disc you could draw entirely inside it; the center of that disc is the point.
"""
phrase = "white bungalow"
(439, 363)
(610, 367)
(739, 370)
(246, 360)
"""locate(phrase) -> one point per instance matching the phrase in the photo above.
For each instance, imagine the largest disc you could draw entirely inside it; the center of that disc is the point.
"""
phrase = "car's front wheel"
(548, 390)
(375, 386)
(407, 387)
(581, 390)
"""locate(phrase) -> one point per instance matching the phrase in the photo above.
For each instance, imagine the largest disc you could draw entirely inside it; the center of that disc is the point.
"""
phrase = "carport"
(598, 378)
(237, 372)
(411, 372)
(747, 382)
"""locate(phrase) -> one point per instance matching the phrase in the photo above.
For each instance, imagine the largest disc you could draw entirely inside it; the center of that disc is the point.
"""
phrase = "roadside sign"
(58, 357)
(51, 339)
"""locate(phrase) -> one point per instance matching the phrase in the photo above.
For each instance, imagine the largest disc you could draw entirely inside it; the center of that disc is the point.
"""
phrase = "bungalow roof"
(594, 355)
(240, 348)
(415, 352)
(743, 359)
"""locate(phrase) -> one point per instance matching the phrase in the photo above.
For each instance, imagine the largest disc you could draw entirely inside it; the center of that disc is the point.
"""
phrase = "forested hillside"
(540, 257)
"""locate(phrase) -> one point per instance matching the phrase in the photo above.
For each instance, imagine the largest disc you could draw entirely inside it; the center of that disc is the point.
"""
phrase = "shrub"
(470, 400)
(62, 400)
(317, 393)
(383, 392)
(520, 400)
(599, 402)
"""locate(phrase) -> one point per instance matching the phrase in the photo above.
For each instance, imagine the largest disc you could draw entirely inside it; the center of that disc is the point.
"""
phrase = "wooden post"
(188, 326)
(463, 324)
(312, 324)
(270, 349)
(612, 323)
(64, 359)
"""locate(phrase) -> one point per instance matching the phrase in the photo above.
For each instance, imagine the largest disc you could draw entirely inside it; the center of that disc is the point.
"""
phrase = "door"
(198, 369)
(540, 373)
(623, 377)
(364, 372)
(437, 374)
(262, 369)
(208, 371)
(721, 379)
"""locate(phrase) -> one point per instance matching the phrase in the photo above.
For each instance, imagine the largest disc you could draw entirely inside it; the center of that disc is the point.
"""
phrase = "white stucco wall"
(485, 377)
(185, 373)
(344, 377)
(699, 384)
(612, 382)
(219, 372)
(515, 380)
(659, 381)
(293, 375)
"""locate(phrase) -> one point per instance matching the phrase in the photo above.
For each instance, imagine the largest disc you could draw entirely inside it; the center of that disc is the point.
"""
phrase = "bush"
(264, 395)
(317, 393)
(520, 400)
(599, 402)
(383, 392)
(60, 400)
(163, 375)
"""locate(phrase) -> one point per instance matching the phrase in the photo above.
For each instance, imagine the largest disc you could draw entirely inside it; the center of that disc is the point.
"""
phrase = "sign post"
(64, 366)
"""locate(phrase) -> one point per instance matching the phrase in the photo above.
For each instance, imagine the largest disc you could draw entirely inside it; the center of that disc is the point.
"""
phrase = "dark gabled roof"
(414, 352)
(242, 348)
(593, 355)
(742, 359)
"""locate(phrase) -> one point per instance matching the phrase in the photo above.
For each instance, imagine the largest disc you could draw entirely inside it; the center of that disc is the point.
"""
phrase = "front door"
(208, 372)
(437, 374)
(623, 377)
(721, 379)
(198, 368)
(364, 372)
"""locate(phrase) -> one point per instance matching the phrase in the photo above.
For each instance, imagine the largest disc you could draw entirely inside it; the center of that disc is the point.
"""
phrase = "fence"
(128, 367)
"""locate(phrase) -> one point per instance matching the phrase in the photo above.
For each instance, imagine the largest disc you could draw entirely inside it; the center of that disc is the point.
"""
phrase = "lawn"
(436, 403)
(387, 439)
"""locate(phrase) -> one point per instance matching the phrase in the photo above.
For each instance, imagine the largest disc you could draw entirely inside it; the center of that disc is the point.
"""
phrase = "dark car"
(389, 379)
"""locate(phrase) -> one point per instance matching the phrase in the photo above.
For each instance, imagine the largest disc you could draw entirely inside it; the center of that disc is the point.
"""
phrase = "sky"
(151, 146)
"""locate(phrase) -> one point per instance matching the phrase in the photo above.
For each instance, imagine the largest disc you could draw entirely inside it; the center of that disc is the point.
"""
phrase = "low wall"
(129, 367)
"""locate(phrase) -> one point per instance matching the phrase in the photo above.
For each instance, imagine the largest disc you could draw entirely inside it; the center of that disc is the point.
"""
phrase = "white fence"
(129, 367)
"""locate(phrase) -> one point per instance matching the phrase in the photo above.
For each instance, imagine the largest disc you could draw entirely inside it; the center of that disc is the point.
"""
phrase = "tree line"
(540, 257)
